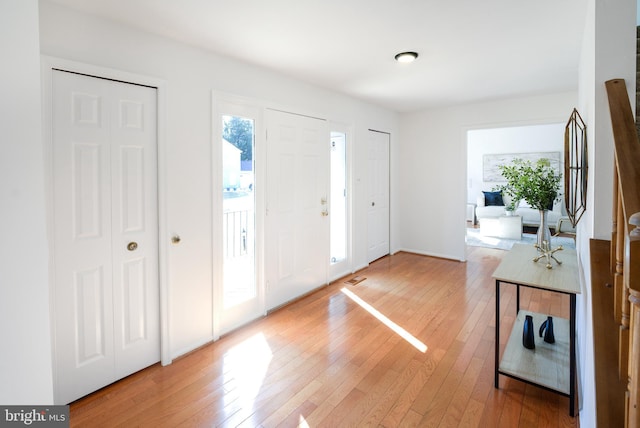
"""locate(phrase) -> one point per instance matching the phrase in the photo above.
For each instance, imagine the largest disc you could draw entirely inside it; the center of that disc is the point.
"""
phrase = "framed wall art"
(491, 162)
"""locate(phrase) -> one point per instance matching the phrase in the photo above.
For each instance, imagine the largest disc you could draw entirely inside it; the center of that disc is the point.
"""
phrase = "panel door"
(106, 293)
(297, 241)
(378, 195)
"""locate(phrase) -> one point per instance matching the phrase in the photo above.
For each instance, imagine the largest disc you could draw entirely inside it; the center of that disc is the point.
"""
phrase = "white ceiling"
(470, 50)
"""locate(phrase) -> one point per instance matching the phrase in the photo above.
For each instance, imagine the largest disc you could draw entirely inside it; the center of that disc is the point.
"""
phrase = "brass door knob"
(132, 246)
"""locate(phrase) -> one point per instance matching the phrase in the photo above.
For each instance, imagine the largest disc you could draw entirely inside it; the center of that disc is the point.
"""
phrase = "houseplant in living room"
(539, 185)
(511, 200)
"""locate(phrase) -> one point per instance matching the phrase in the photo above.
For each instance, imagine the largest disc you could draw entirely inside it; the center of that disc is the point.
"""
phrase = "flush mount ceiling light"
(406, 57)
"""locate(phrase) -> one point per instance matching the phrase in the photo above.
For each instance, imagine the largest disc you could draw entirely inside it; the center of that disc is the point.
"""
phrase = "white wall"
(608, 52)
(514, 139)
(433, 178)
(191, 74)
(615, 57)
(25, 356)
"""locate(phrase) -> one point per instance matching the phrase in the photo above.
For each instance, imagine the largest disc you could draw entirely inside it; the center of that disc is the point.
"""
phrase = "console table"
(550, 366)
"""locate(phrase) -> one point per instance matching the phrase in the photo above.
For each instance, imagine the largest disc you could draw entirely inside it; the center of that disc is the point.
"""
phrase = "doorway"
(486, 144)
(106, 312)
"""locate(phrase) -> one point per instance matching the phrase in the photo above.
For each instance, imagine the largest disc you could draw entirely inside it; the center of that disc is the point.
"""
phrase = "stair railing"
(625, 243)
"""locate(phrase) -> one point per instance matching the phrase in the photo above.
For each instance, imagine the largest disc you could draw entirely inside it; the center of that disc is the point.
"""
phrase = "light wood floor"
(327, 361)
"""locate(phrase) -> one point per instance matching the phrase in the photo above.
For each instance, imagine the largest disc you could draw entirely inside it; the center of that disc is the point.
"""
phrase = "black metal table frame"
(572, 343)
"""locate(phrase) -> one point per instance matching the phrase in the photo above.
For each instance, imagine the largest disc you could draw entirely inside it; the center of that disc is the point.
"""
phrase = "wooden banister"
(627, 147)
(625, 243)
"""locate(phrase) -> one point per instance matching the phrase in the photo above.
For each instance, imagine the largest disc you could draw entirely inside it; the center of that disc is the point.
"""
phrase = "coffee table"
(506, 226)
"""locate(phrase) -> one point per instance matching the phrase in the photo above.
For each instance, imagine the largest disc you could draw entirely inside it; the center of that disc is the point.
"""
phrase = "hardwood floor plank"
(331, 379)
(472, 416)
(462, 395)
(320, 413)
(371, 398)
(437, 407)
(343, 409)
(299, 416)
(350, 383)
(411, 419)
(484, 385)
(512, 407)
(431, 388)
(493, 407)
(529, 417)
(327, 360)
(395, 391)
(403, 404)
(286, 410)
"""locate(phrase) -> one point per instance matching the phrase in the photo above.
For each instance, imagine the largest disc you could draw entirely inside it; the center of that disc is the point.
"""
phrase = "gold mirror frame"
(575, 167)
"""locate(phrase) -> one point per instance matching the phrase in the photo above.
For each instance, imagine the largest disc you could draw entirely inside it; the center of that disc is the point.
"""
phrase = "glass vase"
(543, 239)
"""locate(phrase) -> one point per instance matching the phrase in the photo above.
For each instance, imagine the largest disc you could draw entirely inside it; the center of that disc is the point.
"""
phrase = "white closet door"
(297, 241)
(378, 194)
(106, 293)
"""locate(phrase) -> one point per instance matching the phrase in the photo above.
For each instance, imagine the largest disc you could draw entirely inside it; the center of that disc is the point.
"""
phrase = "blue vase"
(547, 329)
(528, 336)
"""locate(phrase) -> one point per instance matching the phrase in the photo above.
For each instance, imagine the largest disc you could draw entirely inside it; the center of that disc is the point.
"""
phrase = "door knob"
(373, 204)
(175, 239)
(132, 246)
(325, 213)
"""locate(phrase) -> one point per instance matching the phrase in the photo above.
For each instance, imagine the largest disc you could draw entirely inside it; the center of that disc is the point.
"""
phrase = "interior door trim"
(48, 64)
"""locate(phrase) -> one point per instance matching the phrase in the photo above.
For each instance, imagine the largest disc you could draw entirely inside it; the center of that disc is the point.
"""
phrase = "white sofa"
(530, 216)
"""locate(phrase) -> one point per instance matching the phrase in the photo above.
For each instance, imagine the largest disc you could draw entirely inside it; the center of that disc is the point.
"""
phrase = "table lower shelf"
(548, 364)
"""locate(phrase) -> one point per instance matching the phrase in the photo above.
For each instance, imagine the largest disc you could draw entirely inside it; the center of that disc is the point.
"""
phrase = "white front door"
(378, 195)
(297, 241)
(106, 292)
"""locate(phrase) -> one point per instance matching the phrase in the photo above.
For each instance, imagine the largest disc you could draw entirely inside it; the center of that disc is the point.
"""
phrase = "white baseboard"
(430, 254)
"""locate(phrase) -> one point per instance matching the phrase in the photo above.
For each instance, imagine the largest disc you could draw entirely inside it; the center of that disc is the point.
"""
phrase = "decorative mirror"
(575, 167)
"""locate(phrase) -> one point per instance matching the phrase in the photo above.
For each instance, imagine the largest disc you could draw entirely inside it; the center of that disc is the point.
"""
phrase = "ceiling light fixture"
(406, 57)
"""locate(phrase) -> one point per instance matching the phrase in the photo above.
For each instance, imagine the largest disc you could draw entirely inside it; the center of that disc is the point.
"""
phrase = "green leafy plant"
(511, 203)
(538, 184)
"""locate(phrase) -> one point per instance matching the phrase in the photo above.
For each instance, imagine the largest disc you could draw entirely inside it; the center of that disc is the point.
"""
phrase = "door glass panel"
(338, 201)
(238, 219)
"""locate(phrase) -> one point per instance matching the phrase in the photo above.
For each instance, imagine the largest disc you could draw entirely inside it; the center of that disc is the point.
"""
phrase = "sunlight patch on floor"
(386, 321)
(302, 422)
(245, 367)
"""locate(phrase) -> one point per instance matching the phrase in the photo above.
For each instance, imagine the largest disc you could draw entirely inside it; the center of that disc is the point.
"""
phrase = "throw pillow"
(493, 198)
